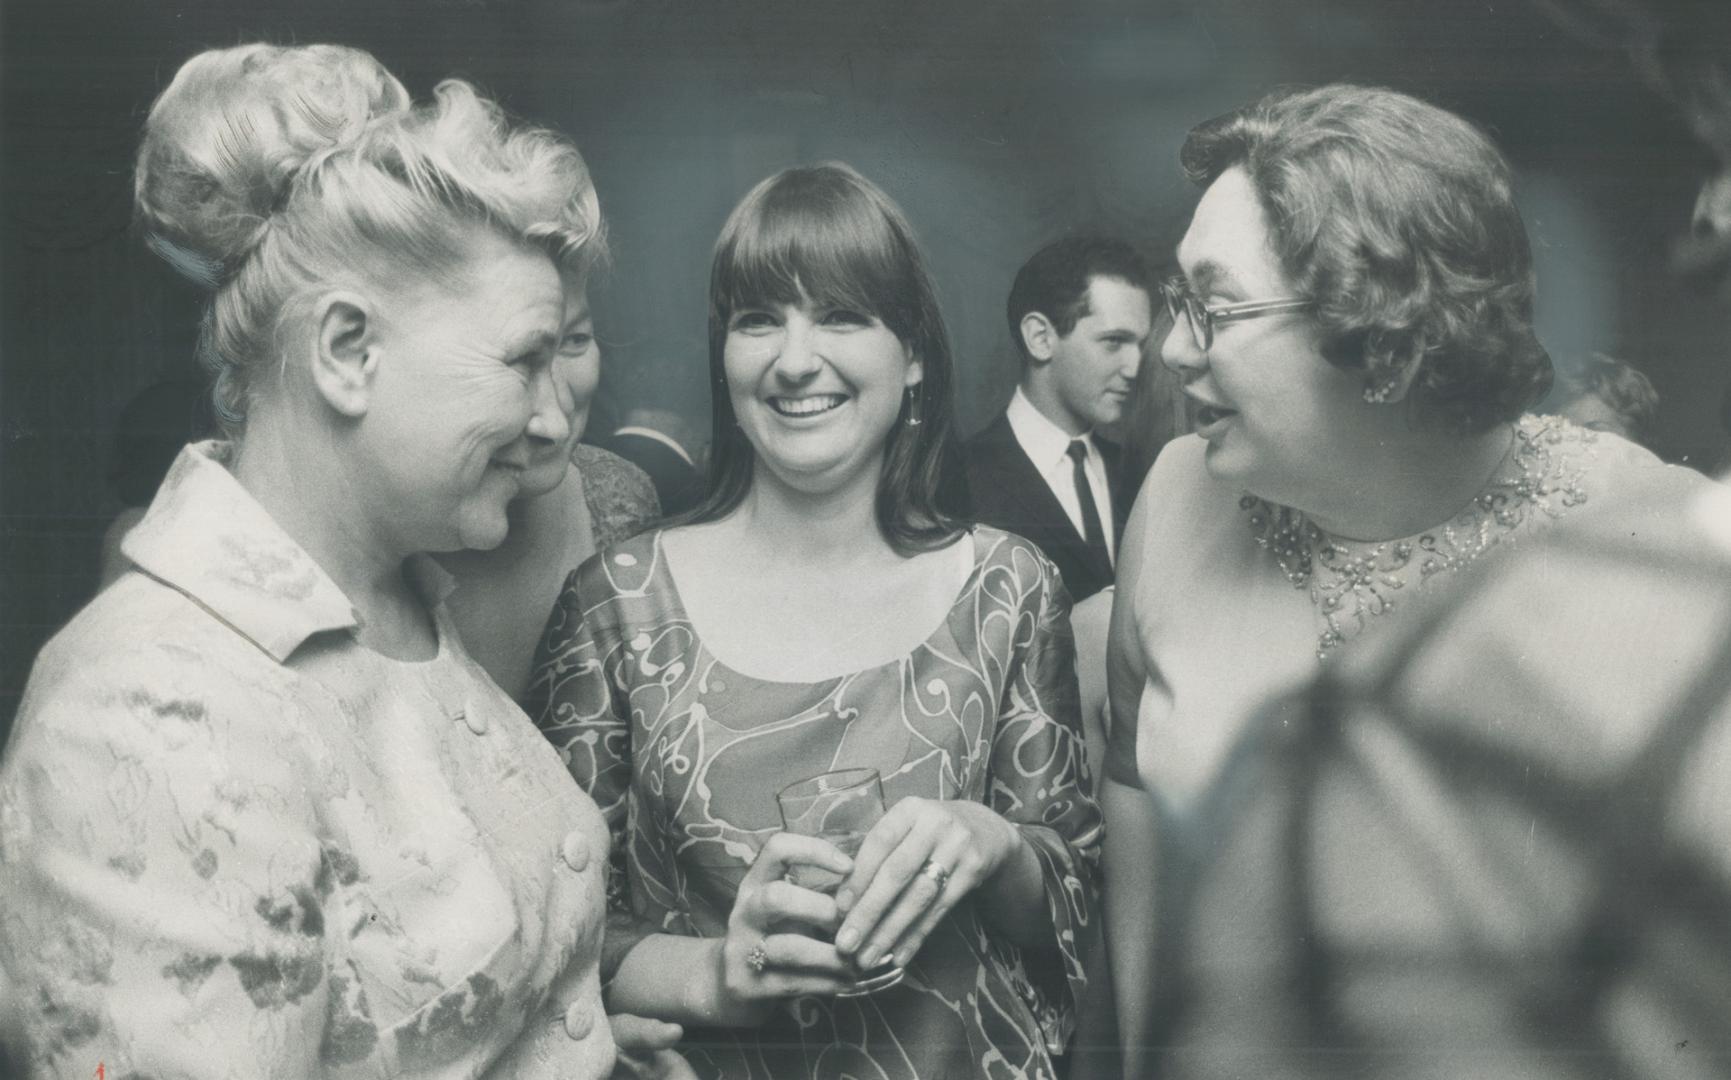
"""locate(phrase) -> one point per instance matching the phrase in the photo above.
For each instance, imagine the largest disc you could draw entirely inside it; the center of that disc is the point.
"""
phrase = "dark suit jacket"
(678, 486)
(1006, 490)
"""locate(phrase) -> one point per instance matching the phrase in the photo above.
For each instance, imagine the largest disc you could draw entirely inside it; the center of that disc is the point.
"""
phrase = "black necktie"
(1092, 534)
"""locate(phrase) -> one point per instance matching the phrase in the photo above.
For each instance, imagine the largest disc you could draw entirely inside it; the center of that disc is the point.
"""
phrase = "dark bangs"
(827, 234)
(817, 234)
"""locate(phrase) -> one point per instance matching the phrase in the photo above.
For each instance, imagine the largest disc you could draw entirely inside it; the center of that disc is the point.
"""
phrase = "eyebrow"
(1207, 274)
(537, 341)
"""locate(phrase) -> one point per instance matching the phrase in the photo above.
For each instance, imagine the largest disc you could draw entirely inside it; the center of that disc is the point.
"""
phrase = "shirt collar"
(657, 436)
(1045, 442)
(207, 537)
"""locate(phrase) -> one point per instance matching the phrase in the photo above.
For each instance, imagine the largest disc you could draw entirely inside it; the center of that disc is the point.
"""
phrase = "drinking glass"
(840, 807)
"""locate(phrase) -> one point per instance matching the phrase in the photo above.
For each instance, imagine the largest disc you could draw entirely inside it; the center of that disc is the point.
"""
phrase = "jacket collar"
(207, 537)
(1046, 444)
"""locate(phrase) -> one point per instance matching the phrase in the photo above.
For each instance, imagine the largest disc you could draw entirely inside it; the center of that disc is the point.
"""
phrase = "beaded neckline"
(1351, 582)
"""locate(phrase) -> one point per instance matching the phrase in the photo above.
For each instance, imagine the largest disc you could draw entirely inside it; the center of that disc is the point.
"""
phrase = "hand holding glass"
(840, 807)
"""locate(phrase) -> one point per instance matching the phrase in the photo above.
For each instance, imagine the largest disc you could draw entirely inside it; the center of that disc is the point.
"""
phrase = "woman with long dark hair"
(819, 611)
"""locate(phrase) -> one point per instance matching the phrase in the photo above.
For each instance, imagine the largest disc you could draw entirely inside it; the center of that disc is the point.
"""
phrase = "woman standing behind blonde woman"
(575, 499)
(261, 815)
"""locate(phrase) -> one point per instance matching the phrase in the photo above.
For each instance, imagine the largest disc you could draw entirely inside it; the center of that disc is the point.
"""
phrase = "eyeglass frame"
(1182, 300)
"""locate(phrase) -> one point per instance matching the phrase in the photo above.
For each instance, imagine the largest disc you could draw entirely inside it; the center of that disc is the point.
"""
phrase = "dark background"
(997, 124)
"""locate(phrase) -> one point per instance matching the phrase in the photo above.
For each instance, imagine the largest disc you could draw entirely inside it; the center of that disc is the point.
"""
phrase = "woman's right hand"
(770, 951)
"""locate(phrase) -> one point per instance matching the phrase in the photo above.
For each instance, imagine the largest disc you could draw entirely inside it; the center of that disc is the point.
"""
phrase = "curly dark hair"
(1398, 219)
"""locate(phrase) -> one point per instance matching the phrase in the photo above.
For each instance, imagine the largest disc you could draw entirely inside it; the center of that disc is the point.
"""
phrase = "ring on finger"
(757, 958)
(936, 873)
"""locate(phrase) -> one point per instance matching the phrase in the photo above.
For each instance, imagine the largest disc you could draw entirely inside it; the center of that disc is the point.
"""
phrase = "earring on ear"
(913, 405)
(1380, 393)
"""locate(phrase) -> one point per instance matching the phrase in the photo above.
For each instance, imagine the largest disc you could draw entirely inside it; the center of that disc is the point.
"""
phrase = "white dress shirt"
(1048, 447)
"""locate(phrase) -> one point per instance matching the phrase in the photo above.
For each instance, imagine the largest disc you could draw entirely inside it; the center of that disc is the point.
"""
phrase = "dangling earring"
(1381, 393)
(913, 406)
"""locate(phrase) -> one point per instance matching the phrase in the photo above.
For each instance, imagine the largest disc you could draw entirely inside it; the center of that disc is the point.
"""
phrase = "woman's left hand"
(912, 868)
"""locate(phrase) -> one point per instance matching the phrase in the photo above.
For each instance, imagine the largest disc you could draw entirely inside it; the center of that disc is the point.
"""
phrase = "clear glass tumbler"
(840, 807)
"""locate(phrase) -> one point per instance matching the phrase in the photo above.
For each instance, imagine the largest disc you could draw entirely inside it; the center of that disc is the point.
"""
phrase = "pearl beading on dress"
(1351, 582)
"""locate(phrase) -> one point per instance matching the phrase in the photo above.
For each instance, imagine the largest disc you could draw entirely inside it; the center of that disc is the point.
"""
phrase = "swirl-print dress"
(684, 756)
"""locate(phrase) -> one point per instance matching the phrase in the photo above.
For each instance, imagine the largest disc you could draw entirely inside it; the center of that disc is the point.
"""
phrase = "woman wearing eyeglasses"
(1353, 330)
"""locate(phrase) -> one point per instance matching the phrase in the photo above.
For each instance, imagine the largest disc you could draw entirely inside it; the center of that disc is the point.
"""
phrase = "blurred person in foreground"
(1353, 324)
(1493, 841)
(816, 612)
(261, 815)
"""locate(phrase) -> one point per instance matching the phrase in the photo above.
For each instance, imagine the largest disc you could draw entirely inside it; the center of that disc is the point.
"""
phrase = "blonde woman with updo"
(262, 816)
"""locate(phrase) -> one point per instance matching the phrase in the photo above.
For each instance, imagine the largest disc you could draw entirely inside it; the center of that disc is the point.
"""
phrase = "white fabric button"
(579, 1021)
(575, 851)
(476, 719)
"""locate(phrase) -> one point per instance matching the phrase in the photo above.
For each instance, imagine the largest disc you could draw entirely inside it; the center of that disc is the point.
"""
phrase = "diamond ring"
(757, 958)
(935, 872)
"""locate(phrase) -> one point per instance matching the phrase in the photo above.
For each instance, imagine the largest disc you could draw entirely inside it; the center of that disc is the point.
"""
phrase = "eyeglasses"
(1180, 300)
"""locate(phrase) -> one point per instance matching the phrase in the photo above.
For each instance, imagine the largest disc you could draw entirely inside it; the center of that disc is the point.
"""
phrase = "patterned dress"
(685, 755)
(235, 843)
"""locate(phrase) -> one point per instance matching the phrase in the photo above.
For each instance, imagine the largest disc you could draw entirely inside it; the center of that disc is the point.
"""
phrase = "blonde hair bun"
(268, 173)
(224, 143)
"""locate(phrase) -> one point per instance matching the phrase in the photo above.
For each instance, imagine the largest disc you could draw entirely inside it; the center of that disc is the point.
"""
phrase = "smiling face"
(816, 390)
(463, 395)
(1094, 366)
(1279, 418)
(576, 373)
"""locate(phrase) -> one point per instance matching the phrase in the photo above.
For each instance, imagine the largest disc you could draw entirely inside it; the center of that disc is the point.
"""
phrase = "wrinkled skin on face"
(464, 393)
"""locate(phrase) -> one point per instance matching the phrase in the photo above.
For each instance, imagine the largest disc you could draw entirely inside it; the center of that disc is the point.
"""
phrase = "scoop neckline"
(663, 566)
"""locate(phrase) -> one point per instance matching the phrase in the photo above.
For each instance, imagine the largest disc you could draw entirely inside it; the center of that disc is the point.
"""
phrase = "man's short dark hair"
(1055, 281)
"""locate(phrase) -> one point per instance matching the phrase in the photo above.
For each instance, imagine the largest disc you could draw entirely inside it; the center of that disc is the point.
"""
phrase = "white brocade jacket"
(236, 843)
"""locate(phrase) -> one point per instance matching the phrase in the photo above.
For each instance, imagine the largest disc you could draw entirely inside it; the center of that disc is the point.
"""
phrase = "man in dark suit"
(1080, 313)
(649, 440)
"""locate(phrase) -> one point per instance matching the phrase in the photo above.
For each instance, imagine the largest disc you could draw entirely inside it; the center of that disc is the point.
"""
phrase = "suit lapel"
(1046, 523)
(1023, 486)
